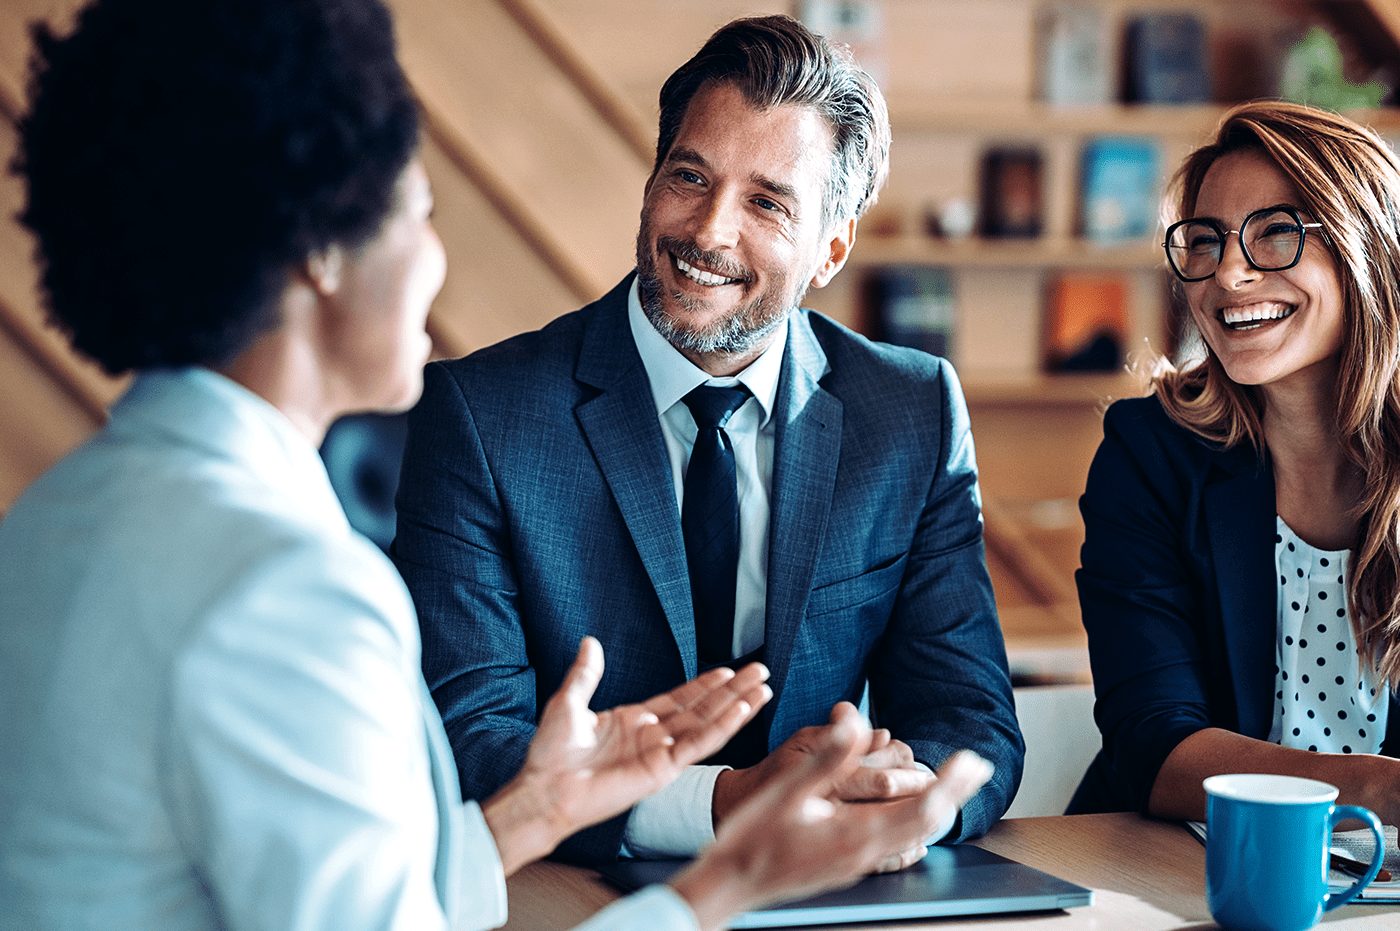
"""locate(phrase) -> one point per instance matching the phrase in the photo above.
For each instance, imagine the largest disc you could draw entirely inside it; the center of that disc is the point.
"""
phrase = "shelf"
(1017, 253)
(1032, 118)
(1042, 389)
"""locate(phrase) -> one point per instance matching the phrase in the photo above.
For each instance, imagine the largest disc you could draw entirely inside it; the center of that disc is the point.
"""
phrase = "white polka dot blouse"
(1323, 699)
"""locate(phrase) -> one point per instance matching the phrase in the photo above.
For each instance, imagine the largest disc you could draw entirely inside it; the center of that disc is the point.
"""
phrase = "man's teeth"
(702, 277)
(1255, 315)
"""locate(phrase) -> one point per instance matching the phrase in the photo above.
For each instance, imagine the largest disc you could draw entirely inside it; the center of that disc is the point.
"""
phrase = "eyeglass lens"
(1271, 240)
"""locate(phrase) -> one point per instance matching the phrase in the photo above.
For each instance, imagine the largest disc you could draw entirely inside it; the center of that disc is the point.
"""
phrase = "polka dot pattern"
(1339, 709)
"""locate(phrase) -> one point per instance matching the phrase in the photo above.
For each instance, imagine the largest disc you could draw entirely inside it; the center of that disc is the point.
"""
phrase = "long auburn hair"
(1348, 178)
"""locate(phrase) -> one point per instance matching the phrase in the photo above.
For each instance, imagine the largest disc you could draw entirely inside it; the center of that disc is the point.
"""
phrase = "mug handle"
(1340, 813)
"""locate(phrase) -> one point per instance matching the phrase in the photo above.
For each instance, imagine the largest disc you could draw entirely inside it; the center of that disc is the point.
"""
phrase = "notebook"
(950, 882)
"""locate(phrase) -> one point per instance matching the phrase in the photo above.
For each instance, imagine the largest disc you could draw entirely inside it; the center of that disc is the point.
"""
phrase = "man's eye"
(689, 177)
(766, 204)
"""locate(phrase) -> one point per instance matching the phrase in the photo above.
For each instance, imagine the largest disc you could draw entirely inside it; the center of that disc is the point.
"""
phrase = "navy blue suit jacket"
(536, 505)
(1179, 596)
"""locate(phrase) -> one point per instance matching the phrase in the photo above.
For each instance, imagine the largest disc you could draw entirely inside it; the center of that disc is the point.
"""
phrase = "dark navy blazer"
(1179, 596)
(536, 505)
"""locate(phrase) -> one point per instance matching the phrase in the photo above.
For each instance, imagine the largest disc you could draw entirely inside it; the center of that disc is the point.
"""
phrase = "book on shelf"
(912, 305)
(857, 24)
(1086, 322)
(1012, 200)
(1073, 54)
(1118, 189)
(1166, 59)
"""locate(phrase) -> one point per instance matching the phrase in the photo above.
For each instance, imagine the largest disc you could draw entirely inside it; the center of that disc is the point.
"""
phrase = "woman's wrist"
(523, 823)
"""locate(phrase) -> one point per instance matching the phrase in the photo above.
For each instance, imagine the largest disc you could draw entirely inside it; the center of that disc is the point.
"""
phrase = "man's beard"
(736, 332)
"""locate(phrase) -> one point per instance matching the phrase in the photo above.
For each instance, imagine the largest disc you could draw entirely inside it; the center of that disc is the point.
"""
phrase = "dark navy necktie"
(710, 521)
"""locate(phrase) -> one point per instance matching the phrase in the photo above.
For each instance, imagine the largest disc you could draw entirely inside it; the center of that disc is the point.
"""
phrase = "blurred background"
(1018, 234)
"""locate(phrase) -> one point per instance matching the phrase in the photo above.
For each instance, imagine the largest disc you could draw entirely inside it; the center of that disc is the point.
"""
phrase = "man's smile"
(700, 276)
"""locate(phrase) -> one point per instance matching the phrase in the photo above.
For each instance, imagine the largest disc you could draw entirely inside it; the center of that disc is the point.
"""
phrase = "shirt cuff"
(678, 820)
(481, 882)
(655, 908)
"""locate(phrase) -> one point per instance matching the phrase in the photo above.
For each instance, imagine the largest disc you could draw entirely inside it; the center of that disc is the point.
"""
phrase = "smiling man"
(698, 472)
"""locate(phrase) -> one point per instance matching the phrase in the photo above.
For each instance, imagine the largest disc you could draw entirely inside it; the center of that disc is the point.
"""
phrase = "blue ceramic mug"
(1267, 848)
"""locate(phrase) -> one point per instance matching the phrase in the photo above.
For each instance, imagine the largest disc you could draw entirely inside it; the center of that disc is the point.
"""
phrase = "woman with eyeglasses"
(1241, 565)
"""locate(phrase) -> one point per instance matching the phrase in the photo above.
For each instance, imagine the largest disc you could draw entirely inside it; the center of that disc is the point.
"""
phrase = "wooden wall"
(540, 125)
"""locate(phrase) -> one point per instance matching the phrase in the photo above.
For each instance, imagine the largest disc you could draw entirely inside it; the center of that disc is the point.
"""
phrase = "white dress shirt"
(212, 713)
(678, 820)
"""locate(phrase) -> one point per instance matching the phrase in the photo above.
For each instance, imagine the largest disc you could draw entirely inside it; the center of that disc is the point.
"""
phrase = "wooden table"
(1147, 876)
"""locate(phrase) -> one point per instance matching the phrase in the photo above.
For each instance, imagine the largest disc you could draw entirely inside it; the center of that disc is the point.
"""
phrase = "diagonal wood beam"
(614, 109)
(512, 208)
(1004, 537)
(63, 370)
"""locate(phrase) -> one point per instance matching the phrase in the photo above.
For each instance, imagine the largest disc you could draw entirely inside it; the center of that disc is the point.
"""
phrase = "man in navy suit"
(696, 471)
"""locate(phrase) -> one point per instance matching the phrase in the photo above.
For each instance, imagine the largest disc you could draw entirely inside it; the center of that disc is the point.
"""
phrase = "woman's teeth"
(1255, 315)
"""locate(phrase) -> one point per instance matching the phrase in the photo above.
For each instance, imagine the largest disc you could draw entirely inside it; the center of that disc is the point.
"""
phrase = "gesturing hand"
(796, 835)
(584, 767)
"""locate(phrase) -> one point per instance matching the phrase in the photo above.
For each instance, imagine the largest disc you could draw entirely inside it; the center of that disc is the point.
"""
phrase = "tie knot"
(712, 406)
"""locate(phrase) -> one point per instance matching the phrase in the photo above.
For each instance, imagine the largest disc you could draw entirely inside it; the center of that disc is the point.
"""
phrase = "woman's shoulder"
(1145, 420)
(1143, 444)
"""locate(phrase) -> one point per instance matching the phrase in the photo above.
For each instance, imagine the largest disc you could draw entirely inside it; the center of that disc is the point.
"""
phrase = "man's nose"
(717, 223)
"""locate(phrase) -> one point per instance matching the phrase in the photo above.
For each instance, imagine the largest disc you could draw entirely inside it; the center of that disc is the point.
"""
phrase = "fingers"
(837, 750)
(902, 860)
(702, 729)
(868, 783)
(586, 672)
(889, 753)
(719, 680)
(702, 714)
(962, 774)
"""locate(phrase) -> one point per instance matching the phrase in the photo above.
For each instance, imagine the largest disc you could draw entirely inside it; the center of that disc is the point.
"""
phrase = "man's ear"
(323, 270)
(838, 248)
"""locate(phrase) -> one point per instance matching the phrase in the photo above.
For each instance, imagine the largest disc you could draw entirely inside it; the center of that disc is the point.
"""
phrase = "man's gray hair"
(776, 61)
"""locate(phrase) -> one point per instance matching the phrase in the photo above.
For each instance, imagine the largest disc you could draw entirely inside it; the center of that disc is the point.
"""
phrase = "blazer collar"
(622, 429)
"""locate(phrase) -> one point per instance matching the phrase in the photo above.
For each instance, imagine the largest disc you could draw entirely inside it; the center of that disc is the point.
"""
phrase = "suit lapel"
(622, 429)
(1239, 513)
(807, 445)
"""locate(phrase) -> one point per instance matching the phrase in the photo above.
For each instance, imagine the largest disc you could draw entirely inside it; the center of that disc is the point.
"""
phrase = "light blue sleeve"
(655, 908)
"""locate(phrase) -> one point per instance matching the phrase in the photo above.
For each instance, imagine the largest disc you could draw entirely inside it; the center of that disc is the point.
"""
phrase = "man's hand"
(797, 836)
(583, 767)
(887, 770)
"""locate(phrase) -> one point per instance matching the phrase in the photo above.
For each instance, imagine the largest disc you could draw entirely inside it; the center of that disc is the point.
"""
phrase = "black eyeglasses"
(1271, 239)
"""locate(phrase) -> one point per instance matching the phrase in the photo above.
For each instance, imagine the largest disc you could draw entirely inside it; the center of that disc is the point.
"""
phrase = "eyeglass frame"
(1244, 249)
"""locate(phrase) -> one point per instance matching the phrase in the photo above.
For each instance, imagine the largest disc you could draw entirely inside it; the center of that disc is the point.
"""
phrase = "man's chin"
(728, 335)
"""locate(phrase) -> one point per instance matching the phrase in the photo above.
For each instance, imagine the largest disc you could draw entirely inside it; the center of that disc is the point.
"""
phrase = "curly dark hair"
(182, 156)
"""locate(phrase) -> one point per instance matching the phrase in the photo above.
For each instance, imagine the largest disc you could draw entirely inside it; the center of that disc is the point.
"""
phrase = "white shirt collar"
(673, 376)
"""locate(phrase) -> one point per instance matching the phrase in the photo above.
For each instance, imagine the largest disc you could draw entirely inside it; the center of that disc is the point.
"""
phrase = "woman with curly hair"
(1241, 565)
(213, 715)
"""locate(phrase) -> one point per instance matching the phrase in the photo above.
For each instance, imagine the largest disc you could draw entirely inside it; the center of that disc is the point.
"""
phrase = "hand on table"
(584, 767)
(797, 835)
(887, 770)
